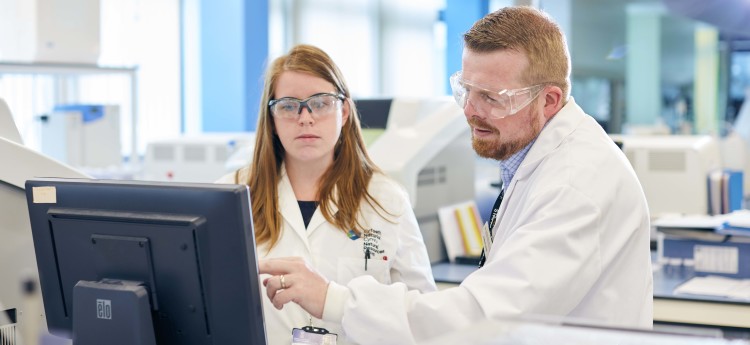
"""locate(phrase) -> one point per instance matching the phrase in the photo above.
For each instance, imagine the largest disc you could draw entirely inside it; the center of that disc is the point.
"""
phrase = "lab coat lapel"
(317, 219)
(559, 128)
(289, 207)
(553, 134)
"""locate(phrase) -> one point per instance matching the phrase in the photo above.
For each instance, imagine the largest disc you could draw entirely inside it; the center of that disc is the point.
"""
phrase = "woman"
(316, 194)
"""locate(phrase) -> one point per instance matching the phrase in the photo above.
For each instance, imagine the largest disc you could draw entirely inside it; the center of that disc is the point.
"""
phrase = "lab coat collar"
(317, 219)
(552, 135)
(289, 207)
(290, 211)
(557, 129)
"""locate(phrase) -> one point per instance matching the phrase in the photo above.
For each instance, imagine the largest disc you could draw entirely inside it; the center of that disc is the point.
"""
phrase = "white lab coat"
(403, 257)
(572, 240)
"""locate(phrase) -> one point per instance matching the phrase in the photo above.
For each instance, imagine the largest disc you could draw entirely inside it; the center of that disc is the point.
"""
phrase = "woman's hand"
(293, 280)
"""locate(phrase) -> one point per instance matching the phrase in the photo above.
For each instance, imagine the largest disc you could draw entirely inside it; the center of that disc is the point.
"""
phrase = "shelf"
(62, 68)
(74, 69)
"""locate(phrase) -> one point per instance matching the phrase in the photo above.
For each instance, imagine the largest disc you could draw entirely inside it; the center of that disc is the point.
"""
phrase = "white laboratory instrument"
(83, 136)
(50, 31)
(426, 146)
(673, 170)
(194, 158)
(17, 257)
(8, 129)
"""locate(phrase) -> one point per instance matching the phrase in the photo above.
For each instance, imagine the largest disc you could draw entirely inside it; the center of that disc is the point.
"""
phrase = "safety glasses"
(495, 104)
(319, 105)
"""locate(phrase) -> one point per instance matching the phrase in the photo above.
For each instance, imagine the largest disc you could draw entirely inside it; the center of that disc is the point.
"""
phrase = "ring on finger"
(283, 283)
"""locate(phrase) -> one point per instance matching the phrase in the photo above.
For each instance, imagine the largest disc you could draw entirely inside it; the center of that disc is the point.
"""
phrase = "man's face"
(500, 138)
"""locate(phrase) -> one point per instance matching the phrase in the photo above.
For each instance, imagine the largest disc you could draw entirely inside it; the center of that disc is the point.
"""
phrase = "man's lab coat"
(572, 240)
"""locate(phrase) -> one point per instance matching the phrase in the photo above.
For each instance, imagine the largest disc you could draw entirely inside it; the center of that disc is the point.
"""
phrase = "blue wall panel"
(459, 16)
(234, 47)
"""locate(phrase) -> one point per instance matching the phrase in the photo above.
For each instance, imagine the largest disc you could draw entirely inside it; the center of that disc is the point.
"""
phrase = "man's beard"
(501, 151)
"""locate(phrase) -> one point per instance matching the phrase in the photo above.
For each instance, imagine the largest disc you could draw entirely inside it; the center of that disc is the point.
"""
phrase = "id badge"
(312, 335)
(486, 239)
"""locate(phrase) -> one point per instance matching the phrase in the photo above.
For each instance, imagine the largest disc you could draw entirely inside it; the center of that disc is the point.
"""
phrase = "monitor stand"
(112, 312)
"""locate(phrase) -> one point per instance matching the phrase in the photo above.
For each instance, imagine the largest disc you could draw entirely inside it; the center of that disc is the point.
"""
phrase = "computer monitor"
(127, 262)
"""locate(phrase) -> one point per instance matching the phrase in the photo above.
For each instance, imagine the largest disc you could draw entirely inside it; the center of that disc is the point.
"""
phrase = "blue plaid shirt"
(509, 166)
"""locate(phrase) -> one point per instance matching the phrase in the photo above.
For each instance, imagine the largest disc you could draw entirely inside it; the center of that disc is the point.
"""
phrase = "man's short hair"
(530, 32)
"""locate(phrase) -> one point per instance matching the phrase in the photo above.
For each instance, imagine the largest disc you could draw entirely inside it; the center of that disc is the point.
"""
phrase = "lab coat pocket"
(350, 268)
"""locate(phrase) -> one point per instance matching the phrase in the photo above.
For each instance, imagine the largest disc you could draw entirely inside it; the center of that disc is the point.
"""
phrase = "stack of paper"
(737, 223)
(716, 286)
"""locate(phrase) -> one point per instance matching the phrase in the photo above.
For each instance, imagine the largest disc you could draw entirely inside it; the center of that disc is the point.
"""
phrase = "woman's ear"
(345, 111)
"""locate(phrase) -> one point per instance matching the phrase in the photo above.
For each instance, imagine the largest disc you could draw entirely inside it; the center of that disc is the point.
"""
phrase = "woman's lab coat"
(572, 240)
(398, 253)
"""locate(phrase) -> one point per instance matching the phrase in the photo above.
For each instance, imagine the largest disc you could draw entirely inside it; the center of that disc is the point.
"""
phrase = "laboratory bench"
(729, 315)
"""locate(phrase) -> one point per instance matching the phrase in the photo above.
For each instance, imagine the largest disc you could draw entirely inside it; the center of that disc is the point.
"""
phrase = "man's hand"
(293, 280)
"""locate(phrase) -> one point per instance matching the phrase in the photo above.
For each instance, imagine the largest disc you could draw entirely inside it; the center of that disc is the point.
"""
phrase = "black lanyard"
(496, 208)
(493, 219)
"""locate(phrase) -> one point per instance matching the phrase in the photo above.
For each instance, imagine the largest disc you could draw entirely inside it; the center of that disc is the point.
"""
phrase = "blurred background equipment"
(49, 31)
(85, 136)
(425, 145)
(673, 170)
(196, 158)
(17, 260)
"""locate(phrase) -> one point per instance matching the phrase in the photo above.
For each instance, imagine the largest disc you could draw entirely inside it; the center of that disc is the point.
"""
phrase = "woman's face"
(308, 132)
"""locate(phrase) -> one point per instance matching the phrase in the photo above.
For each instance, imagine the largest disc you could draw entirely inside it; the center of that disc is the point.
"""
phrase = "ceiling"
(730, 16)
(598, 28)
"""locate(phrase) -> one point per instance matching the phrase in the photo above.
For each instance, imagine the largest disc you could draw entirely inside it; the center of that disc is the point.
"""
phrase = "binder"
(725, 191)
(461, 230)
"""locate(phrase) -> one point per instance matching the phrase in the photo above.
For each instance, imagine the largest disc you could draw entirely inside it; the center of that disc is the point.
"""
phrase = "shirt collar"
(508, 167)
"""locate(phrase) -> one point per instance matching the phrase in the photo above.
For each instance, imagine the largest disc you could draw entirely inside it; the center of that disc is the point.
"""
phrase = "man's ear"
(553, 101)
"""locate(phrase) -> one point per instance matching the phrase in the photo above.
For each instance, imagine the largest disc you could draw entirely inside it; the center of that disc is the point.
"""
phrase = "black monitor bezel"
(227, 256)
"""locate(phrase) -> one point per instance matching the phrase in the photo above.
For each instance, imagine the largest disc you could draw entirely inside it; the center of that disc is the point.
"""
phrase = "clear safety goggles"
(319, 105)
(495, 104)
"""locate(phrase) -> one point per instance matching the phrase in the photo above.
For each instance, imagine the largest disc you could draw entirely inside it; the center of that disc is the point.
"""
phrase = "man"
(571, 233)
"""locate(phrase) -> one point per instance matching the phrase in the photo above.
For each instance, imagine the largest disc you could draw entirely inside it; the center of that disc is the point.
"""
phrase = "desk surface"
(695, 309)
(668, 307)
